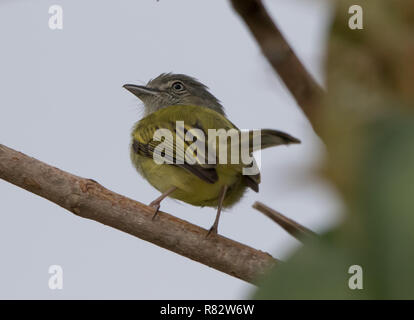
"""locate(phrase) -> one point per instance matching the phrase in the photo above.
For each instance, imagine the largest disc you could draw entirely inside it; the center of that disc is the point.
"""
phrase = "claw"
(214, 227)
(156, 205)
(213, 231)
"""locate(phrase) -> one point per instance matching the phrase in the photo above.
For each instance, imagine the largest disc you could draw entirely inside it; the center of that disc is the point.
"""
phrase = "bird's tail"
(253, 140)
(269, 138)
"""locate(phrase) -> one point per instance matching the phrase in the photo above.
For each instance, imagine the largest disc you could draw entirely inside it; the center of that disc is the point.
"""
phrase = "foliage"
(367, 123)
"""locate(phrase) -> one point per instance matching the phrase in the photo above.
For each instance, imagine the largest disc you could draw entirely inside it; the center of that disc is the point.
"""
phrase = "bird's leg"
(156, 204)
(214, 227)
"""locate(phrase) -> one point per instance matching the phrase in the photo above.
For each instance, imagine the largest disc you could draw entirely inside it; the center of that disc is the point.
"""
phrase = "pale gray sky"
(62, 102)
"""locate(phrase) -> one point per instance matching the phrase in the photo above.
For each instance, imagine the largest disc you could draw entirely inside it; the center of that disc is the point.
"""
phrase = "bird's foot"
(156, 205)
(212, 232)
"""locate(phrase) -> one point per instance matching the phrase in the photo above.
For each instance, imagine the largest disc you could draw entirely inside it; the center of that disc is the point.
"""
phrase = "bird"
(171, 99)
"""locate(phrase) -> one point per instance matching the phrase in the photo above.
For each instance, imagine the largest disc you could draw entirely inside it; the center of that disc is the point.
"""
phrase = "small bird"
(177, 98)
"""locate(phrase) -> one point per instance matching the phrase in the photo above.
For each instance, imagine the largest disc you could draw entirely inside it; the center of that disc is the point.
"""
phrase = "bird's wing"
(178, 135)
(184, 122)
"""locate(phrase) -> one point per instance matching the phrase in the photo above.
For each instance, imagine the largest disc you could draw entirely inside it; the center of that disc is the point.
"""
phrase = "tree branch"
(88, 199)
(280, 55)
(292, 227)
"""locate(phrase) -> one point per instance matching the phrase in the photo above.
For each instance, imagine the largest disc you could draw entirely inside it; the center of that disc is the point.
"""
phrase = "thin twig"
(280, 55)
(88, 199)
(292, 227)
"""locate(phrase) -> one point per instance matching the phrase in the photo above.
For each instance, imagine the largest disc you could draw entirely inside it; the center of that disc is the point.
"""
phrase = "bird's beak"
(141, 91)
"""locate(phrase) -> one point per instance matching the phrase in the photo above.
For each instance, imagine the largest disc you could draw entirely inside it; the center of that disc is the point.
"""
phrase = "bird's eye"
(178, 86)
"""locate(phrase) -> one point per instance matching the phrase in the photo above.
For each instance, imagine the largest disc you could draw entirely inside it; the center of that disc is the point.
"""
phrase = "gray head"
(174, 89)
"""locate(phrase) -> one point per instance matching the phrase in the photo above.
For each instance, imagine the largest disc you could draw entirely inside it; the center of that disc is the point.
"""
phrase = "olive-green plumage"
(170, 98)
(191, 188)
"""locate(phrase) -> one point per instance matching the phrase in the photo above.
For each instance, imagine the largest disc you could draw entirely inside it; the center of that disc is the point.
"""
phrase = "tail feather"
(271, 138)
(268, 138)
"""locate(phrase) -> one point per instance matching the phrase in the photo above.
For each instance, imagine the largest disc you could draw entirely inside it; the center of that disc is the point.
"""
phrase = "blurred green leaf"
(367, 124)
(385, 214)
